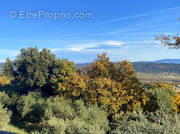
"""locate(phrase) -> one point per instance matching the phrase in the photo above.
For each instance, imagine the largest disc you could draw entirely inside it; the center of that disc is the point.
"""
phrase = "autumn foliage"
(172, 41)
(4, 80)
(113, 86)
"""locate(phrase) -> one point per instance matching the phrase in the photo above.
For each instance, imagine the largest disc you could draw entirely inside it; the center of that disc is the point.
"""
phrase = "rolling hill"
(150, 67)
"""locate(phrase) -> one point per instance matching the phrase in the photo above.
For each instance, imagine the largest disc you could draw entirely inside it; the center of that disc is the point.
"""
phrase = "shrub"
(161, 94)
(31, 107)
(54, 126)
(4, 116)
(138, 122)
(63, 116)
(59, 108)
(56, 115)
(176, 100)
(160, 99)
(4, 99)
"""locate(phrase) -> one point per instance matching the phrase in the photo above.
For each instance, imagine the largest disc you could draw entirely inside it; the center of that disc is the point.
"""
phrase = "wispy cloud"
(139, 15)
(126, 18)
(136, 28)
(147, 50)
(90, 45)
(113, 43)
(107, 45)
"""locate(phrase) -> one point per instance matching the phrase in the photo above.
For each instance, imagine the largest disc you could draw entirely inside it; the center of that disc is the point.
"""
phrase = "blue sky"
(122, 29)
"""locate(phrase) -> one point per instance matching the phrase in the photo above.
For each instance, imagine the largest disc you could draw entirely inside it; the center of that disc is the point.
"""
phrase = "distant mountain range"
(159, 66)
(175, 61)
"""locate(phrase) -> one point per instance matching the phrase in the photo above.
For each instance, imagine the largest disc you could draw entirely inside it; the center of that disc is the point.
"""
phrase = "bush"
(162, 96)
(138, 122)
(58, 115)
(59, 108)
(63, 116)
(176, 100)
(160, 99)
(4, 116)
(4, 99)
(54, 126)
(31, 107)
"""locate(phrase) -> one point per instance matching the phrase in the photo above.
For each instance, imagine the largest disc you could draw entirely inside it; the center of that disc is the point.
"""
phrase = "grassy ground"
(13, 129)
(169, 78)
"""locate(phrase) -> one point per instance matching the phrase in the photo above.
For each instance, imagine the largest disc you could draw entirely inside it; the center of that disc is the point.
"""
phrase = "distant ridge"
(159, 66)
(175, 61)
(150, 67)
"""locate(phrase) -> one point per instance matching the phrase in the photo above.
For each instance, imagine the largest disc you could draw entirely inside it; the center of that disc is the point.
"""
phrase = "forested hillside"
(150, 67)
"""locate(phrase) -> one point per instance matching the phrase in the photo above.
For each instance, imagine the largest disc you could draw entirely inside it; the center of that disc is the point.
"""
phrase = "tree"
(8, 68)
(73, 87)
(101, 67)
(34, 70)
(114, 86)
(125, 74)
(171, 41)
(122, 72)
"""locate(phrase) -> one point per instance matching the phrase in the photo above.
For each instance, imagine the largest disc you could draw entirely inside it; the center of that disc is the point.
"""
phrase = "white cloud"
(81, 47)
(76, 48)
(113, 43)
(56, 49)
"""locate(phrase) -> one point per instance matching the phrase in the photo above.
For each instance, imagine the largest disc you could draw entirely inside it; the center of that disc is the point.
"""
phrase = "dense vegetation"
(42, 94)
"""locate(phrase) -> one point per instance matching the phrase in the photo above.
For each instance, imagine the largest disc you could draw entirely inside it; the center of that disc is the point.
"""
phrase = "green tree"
(8, 68)
(35, 70)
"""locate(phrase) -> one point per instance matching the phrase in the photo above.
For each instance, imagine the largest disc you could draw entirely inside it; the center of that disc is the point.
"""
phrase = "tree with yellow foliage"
(114, 85)
(112, 95)
(101, 67)
(104, 83)
(73, 86)
(4, 80)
